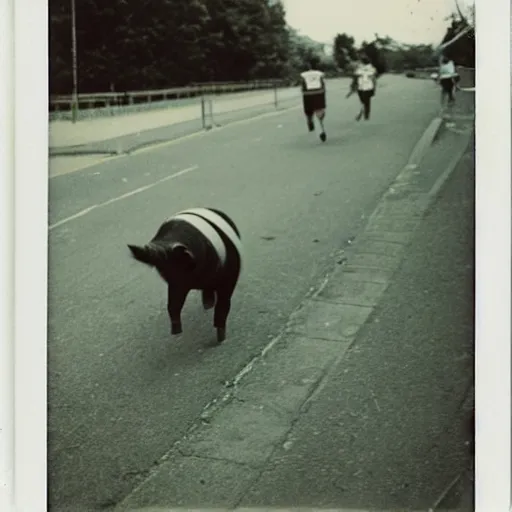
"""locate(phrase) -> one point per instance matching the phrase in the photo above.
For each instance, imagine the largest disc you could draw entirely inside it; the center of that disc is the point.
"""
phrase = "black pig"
(196, 249)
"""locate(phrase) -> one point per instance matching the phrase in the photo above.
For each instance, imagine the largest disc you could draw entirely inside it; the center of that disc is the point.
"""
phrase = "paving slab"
(392, 225)
(369, 275)
(245, 433)
(348, 290)
(379, 261)
(379, 247)
(216, 483)
(286, 379)
(325, 320)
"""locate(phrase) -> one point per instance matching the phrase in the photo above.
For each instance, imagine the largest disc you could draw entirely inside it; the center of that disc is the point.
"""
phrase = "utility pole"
(74, 106)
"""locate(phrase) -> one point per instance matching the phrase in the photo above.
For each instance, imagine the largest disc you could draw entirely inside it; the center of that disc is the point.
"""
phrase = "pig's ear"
(182, 258)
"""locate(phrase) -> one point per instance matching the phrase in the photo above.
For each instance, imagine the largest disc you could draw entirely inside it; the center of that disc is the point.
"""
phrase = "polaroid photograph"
(255, 255)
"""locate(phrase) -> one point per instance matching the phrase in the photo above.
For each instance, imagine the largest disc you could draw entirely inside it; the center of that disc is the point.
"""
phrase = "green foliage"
(388, 55)
(462, 51)
(146, 44)
(151, 44)
(304, 53)
(410, 57)
(376, 56)
(344, 51)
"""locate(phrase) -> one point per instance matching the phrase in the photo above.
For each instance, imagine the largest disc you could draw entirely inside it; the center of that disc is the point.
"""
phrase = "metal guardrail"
(466, 74)
(109, 99)
(434, 69)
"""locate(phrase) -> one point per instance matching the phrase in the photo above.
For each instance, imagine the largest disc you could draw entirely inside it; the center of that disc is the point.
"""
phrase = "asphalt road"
(121, 389)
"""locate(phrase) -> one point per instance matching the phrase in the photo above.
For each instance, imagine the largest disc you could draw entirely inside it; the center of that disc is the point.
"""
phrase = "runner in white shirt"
(447, 78)
(313, 98)
(364, 82)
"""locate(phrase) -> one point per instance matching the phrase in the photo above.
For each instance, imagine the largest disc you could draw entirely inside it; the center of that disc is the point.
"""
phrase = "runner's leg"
(308, 112)
(361, 111)
(451, 97)
(311, 124)
(320, 114)
(367, 104)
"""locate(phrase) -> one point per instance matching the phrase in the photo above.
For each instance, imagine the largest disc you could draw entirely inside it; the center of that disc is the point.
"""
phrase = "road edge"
(114, 155)
(307, 323)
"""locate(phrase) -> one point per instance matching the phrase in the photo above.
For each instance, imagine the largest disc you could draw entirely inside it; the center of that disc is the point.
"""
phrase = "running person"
(364, 82)
(448, 79)
(313, 98)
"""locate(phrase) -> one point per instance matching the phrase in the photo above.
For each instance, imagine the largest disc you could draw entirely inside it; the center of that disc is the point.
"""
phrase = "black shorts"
(447, 84)
(365, 96)
(313, 102)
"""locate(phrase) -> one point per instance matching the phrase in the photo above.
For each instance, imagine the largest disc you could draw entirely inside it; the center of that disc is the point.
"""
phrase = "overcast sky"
(407, 21)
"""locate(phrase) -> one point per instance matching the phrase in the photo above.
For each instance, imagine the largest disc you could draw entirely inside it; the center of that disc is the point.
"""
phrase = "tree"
(144, 44)
(344, 50)
(375, 56)
(460, 49)
(305, 53)
(274, 45)
(60, 74)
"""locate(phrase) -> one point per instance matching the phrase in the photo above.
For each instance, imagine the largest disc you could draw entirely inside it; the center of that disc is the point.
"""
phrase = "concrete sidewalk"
(363, 400)
(91, 134)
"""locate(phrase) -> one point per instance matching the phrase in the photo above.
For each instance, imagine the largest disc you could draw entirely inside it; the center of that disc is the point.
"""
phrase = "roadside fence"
(115, 103)
(467, 75)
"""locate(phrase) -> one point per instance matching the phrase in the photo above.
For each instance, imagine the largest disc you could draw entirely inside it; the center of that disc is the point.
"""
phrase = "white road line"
(203, 133)
(123, 196)
(81, 167)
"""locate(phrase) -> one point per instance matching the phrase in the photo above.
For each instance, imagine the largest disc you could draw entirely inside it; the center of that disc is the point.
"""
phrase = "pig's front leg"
(175, 299)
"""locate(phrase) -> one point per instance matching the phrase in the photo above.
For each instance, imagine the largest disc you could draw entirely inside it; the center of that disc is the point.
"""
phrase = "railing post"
(202, 111)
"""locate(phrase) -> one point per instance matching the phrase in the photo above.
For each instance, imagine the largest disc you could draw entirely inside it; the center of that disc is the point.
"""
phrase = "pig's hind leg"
(223, 306)
(208, 297)
(221, 314)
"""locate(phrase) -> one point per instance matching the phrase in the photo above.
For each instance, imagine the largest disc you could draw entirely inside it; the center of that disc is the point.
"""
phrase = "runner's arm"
(353, 86)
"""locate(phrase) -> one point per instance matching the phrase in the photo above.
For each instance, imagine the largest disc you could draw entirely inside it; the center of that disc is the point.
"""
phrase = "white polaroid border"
(6, 252)
(493, 215)
(30, 248)
(23, 358)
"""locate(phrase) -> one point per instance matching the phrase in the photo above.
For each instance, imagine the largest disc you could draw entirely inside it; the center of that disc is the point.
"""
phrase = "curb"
(425, 141)
(436, 189)
(86, 152)
(238, 432)
(81, 149)
(113, 155)
(266, 509)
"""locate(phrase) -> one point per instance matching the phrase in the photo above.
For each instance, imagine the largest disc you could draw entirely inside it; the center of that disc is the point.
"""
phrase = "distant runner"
(364, 81)
(313, 98)
(448, 78)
